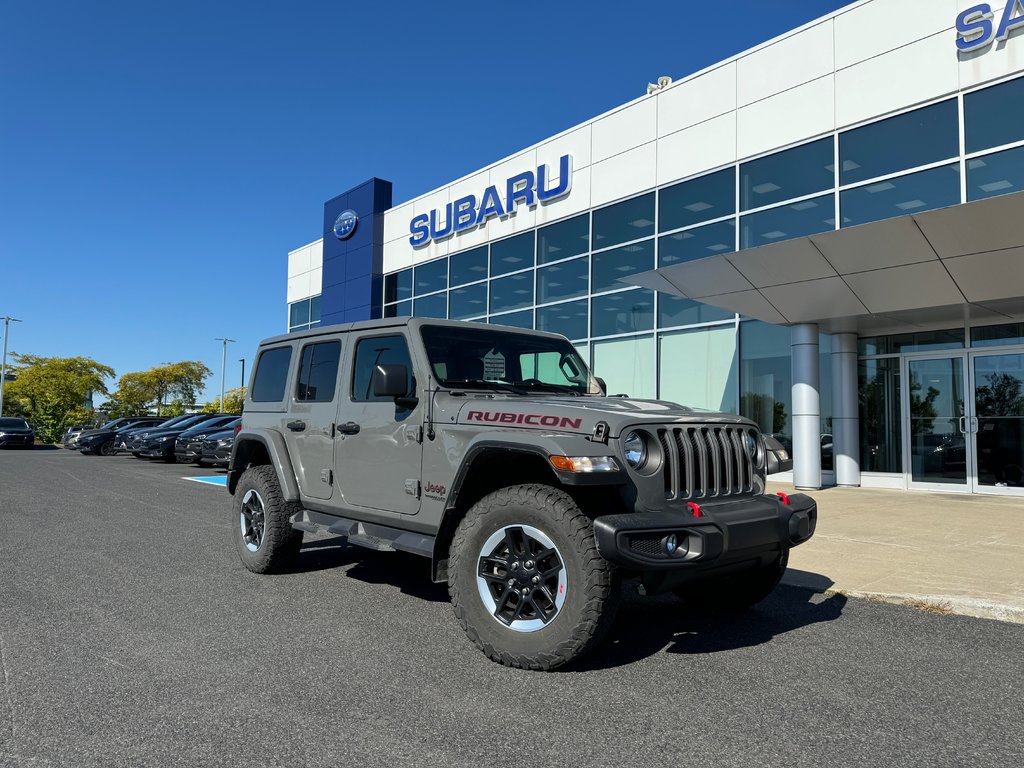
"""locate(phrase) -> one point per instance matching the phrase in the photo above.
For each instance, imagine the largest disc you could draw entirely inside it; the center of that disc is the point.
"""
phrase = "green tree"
(53, 392)
(169, 389)
(233, 401)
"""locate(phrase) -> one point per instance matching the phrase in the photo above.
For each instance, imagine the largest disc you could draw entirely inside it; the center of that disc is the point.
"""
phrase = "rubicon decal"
(531, 419)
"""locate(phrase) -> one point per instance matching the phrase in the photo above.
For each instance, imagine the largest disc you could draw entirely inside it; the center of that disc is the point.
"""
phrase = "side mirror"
(601, 384)
(390, 381)
(779, 459)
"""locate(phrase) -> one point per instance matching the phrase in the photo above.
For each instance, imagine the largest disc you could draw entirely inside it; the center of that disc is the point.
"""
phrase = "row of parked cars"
(202, 438)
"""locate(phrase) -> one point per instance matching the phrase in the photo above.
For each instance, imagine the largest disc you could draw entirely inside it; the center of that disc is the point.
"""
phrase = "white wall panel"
(298, 287)
(710, 95)
(993, 62)
(624, 175)
(885, 25)
(786, 118)
(396, 222)
(577, 201)
(398, 254)
(575, 143)
(298, 261)
(798, 59)
(697, 149)
(316, 281)
(907, 76)
(625, 129)
(316, 254)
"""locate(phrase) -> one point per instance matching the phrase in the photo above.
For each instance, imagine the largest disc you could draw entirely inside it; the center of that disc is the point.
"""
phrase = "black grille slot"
(707, 461)
(646, 545)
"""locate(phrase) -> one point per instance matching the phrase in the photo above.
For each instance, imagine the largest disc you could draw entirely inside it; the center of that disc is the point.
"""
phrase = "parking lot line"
(219, 481)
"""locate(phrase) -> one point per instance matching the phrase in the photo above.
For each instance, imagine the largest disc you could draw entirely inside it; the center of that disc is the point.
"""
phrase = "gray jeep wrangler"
(496, 453)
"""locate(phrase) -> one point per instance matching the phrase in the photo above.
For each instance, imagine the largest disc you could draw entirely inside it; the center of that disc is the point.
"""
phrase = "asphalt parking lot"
(131, 635)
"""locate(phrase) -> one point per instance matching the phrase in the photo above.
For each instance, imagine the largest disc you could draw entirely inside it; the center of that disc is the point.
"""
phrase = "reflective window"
(609, 266)
(271, 377)
(314, 310)
(318, 372)
(628, 220)
(711, 383)
(512, 292)
(379, 350)
(431, 306)
(401, 309)
(432, 276)
(675, 310)
(627, 366)
(997, 335)
(564, 239)
(692, 202)
(467, 302)
(881, 437)
(808, 217)
(563, 280)
(568, 319)
(994, 116)
(468, 266)
(999, 403)
(299, 313)
(791, 173)
(512, 253)
(921, 341)
(996, 174)
(766, 380)
(515, 319)
(697, 243)
(622, 312)
(903, 195)
(916, 138)
(398, 285)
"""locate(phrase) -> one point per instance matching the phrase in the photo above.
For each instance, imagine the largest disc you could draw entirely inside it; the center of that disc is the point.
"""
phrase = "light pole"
(3, 366)
(223, 367)
(242, 361)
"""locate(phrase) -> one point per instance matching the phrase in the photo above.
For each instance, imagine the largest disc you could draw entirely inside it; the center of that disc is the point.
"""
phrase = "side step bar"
(369, 535)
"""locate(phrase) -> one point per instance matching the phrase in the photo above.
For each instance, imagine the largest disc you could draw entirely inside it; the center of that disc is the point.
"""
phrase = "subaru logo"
(345, 224)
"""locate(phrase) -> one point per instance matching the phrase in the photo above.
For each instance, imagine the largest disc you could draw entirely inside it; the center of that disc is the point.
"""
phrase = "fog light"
(671, 546)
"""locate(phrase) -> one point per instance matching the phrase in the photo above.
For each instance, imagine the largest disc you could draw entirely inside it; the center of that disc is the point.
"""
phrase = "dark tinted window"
(916, 138)
(401, 309)
(512, 254)
(995, 116)
(432, 306)
(692, 202)
(13, 424)
(318, 372)
(398, 285)
(901, 196)
(568, 319)
(622, 312)
(299, 313)
(611, 265)
(808, 217)
(512, 292)
(271, 377)
(314, 309)
(515, 319)
(468, 302)
(675, 310)
(628, 220)
(563, 280)
(564, 239)
(468, 267)
(432, 276)
(697, 243)
(379, 350)
(791, 173)
(997, 174)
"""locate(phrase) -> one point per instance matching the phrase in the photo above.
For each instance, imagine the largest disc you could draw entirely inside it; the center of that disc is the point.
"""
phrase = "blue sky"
(157, 162)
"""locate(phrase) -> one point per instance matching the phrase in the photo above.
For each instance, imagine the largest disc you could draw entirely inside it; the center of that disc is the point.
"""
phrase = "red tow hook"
(695, 508)
(784, 497)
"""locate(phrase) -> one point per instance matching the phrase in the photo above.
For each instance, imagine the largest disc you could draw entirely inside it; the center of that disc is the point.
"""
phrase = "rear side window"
(318, 372)
(271, 377)
(379, 350)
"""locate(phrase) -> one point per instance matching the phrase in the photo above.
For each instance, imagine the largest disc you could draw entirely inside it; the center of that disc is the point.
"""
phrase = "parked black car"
(102, 442)
(189, 444)
(114, 424)
(160, 444)
(16, 432)
(217, 447)
(135, 440)
(123, 438)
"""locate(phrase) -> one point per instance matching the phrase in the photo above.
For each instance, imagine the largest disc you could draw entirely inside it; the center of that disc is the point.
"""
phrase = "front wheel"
(526, 581)
(107, 449)
(738, 592)
(261, 520)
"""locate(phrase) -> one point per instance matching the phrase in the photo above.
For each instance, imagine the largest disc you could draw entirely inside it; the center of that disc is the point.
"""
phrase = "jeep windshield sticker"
(531, 419)
(494, 366)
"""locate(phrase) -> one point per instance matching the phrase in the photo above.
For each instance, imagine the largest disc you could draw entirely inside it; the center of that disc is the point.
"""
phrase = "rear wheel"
(738, 592)
(107, 449)
(261, 521)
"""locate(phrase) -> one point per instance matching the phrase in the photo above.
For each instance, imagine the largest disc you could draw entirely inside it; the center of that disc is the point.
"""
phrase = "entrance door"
(936, 423)
(997, 423)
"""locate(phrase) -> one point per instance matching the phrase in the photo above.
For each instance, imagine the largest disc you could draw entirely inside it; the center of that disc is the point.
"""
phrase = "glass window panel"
(675, 310)
(881, 438)
(515, 319)
(923, 191)
(568, 319)
(299, 313)
(512, 292)
(563, 280)
(996, 174)
(271, 377)
(997, 335)
(791, 173)
(628, 220)
(432, 276)
(318, 372)
(766, 380)
(398, 285)
(622, 312)
(994, 116)
(432, 306)
(697, 243)
(468, 267)
(512, 254)
(609, 266)
(916, 138)
(692, 202)
(564, 239)
(808, 217)
(379, 350)
(699, 368)
(314, 309)
(467, 302)
(922, 341)
(401, 309)
(999, 400)
(627, 366)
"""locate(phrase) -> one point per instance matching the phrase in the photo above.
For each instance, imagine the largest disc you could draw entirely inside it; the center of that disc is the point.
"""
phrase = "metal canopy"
(949, 265)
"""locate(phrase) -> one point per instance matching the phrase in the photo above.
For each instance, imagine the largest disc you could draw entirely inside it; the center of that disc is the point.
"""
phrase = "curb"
(944, 604)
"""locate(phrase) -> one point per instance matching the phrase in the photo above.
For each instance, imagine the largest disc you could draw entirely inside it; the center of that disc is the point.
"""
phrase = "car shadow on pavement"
(646, 626)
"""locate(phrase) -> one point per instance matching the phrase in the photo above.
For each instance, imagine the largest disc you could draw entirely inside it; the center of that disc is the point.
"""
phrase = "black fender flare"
(277, 451)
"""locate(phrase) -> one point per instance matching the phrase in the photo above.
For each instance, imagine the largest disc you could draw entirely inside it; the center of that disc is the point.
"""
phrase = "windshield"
(13, 424)
(481, 358)
(111, 424)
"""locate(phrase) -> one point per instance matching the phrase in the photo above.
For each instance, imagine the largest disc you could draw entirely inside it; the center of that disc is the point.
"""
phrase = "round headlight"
(635, 447)
(750, 446)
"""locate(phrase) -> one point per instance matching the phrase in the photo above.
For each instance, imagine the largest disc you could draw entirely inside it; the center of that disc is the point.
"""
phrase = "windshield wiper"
(500, 386)
(550, 387)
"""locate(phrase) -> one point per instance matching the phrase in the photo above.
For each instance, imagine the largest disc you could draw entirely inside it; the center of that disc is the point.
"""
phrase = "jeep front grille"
(707, 461)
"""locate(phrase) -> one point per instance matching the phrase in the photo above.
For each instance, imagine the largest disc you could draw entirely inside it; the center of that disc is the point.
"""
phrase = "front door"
(997, 421)
(936, 422)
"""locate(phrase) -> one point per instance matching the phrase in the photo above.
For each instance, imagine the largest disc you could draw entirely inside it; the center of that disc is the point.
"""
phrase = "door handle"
(348, 428)
(963, 425)
(296, 426)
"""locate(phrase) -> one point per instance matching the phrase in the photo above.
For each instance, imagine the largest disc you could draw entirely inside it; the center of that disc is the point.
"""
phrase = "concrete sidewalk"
(947, 552)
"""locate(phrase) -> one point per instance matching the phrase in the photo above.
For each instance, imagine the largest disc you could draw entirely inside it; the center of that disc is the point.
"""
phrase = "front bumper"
(187, 452)
(158, 451)
(9, 439)
(727, 532)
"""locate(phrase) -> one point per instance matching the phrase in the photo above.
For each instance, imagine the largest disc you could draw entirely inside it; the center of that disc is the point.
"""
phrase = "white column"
(806, 407)
(845, 417)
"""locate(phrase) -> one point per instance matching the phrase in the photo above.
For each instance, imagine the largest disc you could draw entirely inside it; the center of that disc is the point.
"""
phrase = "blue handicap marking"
(220, 480)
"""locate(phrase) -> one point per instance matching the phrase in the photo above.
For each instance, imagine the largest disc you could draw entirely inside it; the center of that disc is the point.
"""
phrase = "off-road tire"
(280, 543)
(592, 584)
(739, 592)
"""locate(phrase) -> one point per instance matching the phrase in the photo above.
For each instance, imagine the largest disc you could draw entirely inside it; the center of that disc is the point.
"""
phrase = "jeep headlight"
(635, 449)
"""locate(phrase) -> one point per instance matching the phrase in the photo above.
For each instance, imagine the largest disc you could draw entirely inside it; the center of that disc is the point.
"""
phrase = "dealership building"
(824, 233)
